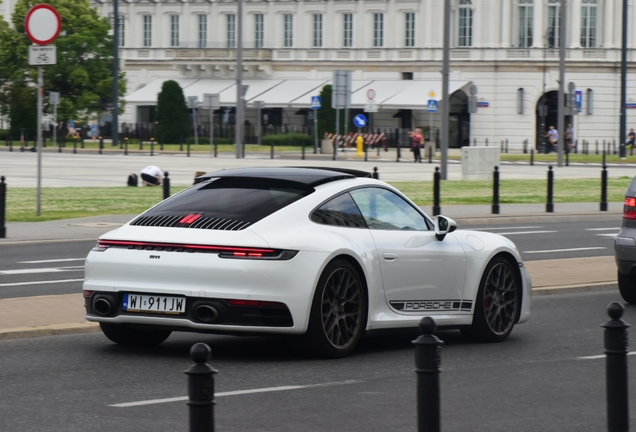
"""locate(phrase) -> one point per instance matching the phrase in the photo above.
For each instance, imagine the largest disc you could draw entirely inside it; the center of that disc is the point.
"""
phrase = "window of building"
(347, 40)
(526, 23)
(147, 30)
(554, 23)
(288, 31)
(259, 28)
(203, 31)
(174, 30)
(588, 23)
(121, 32)
(409, 38)
(465, 38)
(317, 42)
(378, 29)
(231, 31)
(407, 76)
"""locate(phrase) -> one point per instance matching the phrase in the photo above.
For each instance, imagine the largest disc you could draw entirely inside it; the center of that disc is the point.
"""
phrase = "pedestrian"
(631, 137)
(553, 139)
(152, 175)
(94, 130)
(416, 142)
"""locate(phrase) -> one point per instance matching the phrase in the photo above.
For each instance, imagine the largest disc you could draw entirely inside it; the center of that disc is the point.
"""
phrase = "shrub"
(291, 139)
(172, 112)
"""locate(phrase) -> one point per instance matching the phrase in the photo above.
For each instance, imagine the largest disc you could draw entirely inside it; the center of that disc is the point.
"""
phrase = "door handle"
(390, 256)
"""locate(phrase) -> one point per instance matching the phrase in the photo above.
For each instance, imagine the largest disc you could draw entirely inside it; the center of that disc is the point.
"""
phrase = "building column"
(506, 24)
(428, 24)
(539, 24)
(608, 24)
(575, 24)
(478, 28)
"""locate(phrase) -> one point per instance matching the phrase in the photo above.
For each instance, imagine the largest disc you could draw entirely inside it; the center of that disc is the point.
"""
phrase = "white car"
(319, 252)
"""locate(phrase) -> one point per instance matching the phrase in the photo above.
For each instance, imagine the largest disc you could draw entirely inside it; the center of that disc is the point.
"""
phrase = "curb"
(538, 218)
(49, 330)
(579, 288)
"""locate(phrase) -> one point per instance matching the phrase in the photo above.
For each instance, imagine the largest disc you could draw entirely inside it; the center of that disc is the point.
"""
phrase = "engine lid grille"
(201, 222)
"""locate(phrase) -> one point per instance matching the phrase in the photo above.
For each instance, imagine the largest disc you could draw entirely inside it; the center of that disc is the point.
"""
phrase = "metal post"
(335, 137)
(436, 178)
(430, 154)
(212, 145)
(604, 188)
(616, 369)
(445, 89)
(141, 144)
(596, 146)
(397, 145)
(166, 185)
(549, 207)
(506, 145)
(495, 191)
(240, 124)
(201, 389)
(315, 131)
(74, 145)
(39, 135)
(101, 144)
(126, 146)
(604, 157)
(115, 122)
(194, 124)
(3, 206)
(152, 146)
(376, 175)
(428, 356)
(303, 150)
(561, 111)
(366, 153)
(623, 114)
(188, 148)
(161, 142)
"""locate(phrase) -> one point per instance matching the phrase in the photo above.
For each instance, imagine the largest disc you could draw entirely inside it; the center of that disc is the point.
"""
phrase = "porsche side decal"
(431, 305)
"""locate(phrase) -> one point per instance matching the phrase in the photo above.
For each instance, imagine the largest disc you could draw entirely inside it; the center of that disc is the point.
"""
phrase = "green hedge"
(3, 134)
(291, 139)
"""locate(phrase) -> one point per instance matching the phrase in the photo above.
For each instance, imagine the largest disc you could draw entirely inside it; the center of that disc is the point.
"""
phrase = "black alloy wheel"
(498, 303)
(338, 316)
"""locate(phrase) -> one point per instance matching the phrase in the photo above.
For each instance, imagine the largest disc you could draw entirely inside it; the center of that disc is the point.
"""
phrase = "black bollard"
(3, 206)
(188, 149)
(549, 207)
(74, 145)
(603, 157)
(436, 177)
(596, 146)
(501, 149)
(428, 358)
(366, 153)
(166, 185)
(616, 369)
(162, 141)
(376, 175)
(271, 150)
(141, 144)
(495, 191)
(126, 146)
(397, 145)
(101, 145)
(201, 389)
(430, 154)
(531, 156)
(216, 149)
(303, 150)
(335, 149)
(506, 145)
(152, 146)
(59, 147)
(604, 188)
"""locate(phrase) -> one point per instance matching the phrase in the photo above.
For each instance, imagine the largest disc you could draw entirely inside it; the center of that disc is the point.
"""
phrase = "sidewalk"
(64, 314)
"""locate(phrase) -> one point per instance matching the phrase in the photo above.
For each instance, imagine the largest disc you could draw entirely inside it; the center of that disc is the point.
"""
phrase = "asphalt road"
(57, 268)
(535, 381)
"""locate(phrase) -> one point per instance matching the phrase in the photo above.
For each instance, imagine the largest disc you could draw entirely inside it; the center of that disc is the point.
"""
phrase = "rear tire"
(338, 311)
(131, 336)
(497, 304)
(627, 287)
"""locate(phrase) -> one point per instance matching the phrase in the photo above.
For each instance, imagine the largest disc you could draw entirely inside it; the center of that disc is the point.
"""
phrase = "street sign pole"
(445, 91)
(115, 120)
(315, 130)
(40, 88)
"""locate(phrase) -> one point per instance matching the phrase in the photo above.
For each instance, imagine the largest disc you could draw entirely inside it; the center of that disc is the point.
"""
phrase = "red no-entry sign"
(43, 24)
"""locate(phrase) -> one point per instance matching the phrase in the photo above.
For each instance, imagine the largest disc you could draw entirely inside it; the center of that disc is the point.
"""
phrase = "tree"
(326, 114)
(82, 75)
(172, 113)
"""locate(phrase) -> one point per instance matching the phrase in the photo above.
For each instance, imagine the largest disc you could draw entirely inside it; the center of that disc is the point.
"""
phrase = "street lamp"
(240, 107)
(115, 120)
(623, 125)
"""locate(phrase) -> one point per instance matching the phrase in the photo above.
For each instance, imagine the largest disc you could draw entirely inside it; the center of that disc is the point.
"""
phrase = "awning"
(296, 93)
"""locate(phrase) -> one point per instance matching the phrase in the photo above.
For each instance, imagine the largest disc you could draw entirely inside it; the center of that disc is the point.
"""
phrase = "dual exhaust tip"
(206, 313)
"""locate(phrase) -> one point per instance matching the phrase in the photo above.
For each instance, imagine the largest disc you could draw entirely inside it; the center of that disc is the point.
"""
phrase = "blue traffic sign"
(432, 106)
(578, 99)
(316, 103)
(360, 120)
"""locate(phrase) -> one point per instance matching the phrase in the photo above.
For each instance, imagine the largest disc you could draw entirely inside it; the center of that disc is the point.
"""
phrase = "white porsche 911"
(320, 252)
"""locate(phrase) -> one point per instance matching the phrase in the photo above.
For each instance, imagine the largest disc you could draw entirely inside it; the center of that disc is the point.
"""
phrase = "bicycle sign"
(42, 55)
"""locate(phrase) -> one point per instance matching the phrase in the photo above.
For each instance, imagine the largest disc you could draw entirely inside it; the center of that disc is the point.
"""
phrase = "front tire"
(338, 312)
(131, 336)
(498, 303)
(627, 287)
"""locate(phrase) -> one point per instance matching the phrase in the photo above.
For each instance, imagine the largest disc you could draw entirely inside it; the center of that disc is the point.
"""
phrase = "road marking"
(526, 232)
(594, 357)
(42, 270)
(235, 393)
(602, 229)
(564, 250)
(41, 282)
(505, 228)
(607, 235)
(50, 261)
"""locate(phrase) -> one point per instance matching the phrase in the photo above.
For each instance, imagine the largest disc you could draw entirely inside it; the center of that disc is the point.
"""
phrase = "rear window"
(244, 199)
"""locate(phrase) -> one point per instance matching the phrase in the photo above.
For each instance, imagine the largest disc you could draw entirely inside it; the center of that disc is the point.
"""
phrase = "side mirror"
(443, 226)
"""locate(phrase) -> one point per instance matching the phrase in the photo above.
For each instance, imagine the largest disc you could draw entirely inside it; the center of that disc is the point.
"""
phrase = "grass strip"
(67, 203)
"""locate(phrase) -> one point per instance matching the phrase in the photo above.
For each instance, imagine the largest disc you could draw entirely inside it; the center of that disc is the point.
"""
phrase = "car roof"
(309, 176)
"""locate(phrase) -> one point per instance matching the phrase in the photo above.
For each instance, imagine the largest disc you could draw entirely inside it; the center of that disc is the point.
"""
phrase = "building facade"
(508, 50)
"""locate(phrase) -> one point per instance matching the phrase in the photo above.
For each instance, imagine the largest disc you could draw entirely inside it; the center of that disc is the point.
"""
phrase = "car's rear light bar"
(256, 303)
(629, 210)
(223, 251)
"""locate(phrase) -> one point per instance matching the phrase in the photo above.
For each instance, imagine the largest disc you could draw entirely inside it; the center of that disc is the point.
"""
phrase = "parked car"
(625, 247)
(321, 253)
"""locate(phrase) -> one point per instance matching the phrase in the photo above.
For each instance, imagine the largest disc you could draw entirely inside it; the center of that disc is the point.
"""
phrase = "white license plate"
(153, 303)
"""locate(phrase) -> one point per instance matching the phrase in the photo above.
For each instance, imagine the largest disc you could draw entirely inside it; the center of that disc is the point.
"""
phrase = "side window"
(340, 211)
(385, 210)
